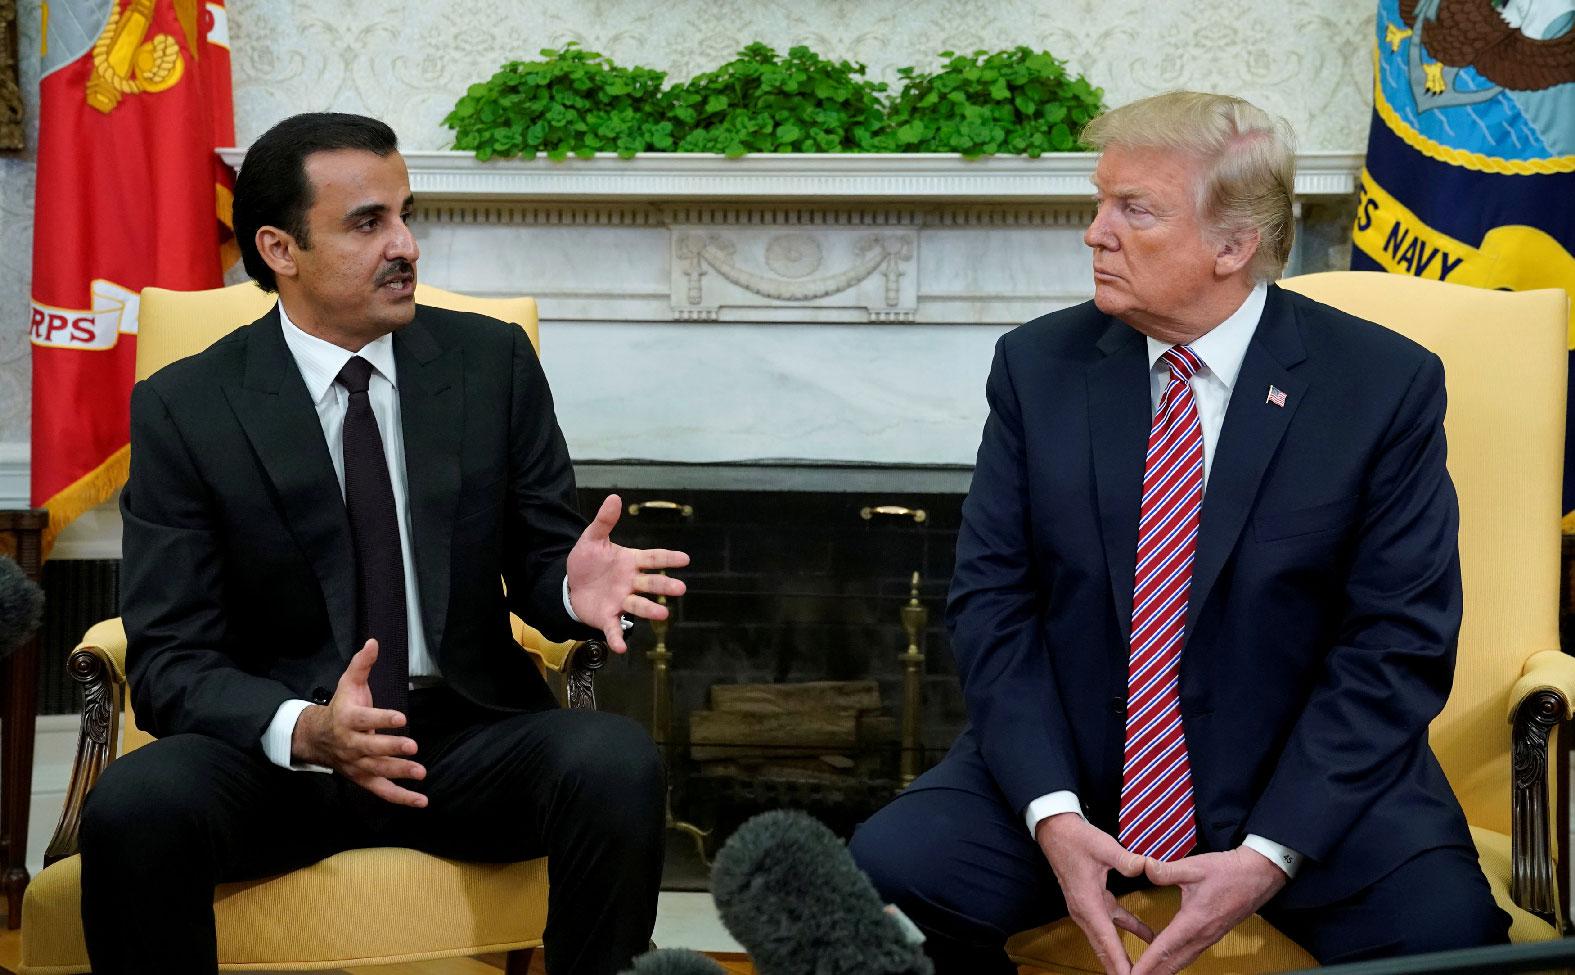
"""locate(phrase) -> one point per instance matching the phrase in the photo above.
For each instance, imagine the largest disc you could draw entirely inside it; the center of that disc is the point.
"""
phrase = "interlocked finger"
(1100, 930)
(1126, 920)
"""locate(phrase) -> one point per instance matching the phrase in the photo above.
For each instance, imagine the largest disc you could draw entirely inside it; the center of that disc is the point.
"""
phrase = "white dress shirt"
(320, 362)
(1221, 349)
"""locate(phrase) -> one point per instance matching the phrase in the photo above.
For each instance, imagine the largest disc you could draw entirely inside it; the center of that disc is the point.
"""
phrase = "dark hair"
(272, 190)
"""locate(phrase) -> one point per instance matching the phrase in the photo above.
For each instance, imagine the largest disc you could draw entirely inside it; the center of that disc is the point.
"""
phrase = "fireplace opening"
(807, 666)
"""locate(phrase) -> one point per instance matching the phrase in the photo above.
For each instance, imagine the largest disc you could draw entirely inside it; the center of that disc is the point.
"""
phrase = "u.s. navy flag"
(1470, 173)
(134, 97)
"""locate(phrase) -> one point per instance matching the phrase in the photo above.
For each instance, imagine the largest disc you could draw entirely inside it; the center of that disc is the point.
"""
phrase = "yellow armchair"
(389, 905)
(1505, 361)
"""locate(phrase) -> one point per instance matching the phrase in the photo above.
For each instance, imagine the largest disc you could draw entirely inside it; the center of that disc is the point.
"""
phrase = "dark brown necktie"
(374, 533)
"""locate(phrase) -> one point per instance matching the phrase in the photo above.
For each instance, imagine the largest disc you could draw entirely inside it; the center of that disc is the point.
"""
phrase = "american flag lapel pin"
(1276, 396)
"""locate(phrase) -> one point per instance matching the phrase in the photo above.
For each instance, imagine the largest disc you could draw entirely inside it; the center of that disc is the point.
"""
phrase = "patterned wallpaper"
(1307, 62)
(16, 243)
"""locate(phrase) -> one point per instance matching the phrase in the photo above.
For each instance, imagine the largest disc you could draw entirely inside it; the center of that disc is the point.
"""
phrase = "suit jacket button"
(320, 695)
(1118, 707)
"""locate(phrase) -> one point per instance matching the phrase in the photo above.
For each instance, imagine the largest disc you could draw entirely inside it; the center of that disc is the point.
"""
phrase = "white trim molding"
(804, 177)
(15, 484)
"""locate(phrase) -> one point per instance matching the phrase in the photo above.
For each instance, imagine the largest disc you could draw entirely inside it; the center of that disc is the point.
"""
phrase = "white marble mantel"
(805, 308)
(794, 177)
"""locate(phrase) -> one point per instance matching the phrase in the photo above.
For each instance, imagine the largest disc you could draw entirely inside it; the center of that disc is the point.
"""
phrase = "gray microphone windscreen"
(787, 889)
(21, 606)
(674, 961)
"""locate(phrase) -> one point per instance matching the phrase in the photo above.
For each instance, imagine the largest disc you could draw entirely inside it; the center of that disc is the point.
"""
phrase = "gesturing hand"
(344, 737)
(1082, 856)
(604, 578)
(1218, 892)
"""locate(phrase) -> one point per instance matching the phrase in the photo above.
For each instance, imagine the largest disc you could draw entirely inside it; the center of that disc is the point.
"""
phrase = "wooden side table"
(21, 537)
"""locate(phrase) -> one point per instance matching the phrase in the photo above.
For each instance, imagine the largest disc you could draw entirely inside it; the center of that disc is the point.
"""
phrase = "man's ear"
(1236, 252)
(277, 249)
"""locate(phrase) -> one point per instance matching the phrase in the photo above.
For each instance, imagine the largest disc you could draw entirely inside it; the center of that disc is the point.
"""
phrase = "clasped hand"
(1218, 891)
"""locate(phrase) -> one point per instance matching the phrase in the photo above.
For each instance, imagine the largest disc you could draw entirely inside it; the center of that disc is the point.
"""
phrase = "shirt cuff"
(1053, 804)
(568, 607)
(279, 734)
(1283, 857)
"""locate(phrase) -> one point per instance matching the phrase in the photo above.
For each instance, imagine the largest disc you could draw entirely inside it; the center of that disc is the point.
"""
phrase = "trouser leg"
(169, 821)
(1436, 901)
(963, 867)
(582, 787)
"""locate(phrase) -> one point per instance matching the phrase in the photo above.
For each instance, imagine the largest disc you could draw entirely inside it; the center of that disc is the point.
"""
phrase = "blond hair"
(1248, 155)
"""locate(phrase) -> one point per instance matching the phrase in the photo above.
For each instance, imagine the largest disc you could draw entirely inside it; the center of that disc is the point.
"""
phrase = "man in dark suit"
(1206, 598)
(320, 510)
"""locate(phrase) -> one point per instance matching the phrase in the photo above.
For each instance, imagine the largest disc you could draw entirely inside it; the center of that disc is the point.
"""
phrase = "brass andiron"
(662, 688)
(914, 619)
(662, 725)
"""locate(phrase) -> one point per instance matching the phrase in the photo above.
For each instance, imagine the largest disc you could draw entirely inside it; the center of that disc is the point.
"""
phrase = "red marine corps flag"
(134, 98)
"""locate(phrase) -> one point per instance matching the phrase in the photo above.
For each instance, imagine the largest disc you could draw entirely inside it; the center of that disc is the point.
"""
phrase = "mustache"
(395, 269)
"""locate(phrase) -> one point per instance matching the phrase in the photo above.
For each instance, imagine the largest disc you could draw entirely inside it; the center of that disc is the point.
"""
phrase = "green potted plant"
(572, 101)
(761, 102)
(1017, 102)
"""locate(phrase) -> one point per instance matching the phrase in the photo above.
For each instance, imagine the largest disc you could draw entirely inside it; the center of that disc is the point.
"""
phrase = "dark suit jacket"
(1325, 600)
(238, 581)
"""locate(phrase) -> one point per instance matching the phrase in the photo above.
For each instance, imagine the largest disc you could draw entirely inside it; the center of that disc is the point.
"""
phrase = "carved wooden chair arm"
(576, 660)
(580, 665)
(99, 664)
(1542, 699)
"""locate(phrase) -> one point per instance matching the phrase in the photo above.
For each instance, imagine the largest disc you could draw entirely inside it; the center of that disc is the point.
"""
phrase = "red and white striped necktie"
(1156, 780)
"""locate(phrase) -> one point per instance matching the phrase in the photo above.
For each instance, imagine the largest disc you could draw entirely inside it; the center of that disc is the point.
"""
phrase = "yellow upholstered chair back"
(175, 324)
(1505, 361)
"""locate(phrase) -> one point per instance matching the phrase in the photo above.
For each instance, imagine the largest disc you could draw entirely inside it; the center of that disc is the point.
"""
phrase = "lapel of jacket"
(277, 414)
(1119, 416)
(431, 412)
(1248, 440)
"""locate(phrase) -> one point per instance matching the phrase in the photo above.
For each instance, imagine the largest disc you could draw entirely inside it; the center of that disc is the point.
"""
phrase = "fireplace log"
(732, 734)
(793, 769)
(816, 697)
